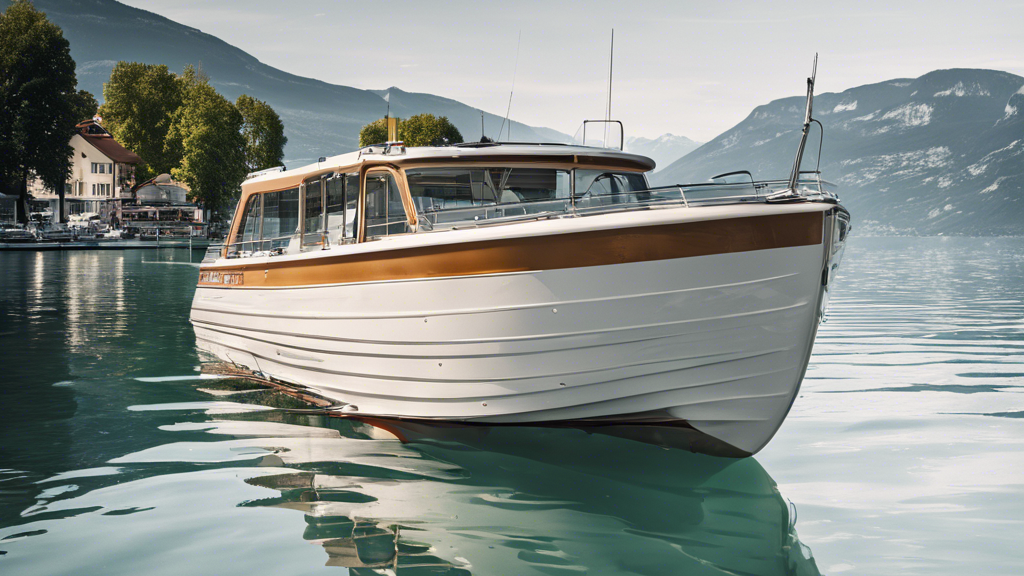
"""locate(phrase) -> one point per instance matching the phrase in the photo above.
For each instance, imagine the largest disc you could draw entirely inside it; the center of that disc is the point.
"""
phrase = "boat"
(55, 232)
(14, 234)
(529, 284)
(88, 225)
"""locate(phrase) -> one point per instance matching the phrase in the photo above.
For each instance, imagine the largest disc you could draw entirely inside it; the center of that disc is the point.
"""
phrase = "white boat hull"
(718, 341)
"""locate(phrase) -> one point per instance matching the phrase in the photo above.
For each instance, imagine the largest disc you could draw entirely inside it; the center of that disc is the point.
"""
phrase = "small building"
(162, 203)
(102, 174)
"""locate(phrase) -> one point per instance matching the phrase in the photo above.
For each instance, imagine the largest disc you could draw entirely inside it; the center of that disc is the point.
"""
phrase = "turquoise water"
(904, 453)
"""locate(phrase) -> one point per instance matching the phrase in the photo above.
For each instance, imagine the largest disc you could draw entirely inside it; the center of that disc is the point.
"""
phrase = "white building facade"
(102, 173)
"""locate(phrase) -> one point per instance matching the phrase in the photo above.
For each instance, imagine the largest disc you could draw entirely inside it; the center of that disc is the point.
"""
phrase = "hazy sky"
(689, 68)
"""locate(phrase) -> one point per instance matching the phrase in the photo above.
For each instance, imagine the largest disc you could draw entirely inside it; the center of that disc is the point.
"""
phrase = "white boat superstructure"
(528, 284)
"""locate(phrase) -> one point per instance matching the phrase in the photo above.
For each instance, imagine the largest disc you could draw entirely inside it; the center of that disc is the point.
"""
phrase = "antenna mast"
(608, 110)
(510, 92)
(795, 174)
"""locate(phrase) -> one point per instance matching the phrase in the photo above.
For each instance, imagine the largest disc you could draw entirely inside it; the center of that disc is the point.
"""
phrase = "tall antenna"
(795, 174)
(481, 125)
(514, 71)
(608, 110)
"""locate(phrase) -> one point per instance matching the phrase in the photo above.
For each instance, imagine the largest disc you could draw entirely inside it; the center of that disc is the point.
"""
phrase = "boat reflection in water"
(530, 501)
(244, 484)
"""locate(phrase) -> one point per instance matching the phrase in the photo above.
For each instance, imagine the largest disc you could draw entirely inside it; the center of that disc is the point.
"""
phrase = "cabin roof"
(487, 152)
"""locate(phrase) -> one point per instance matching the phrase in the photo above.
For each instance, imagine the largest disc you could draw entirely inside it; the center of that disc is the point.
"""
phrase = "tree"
(263, 132)
(429, 130)
(205, 132)
(37, 93)
(419, 130)
(375, 132)
(85, 105)
(139, 100)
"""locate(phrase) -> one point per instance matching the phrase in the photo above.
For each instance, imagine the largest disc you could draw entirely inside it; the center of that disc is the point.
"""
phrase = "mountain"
(664, 149)
(405, 104)
(320, 119)
(939, 154)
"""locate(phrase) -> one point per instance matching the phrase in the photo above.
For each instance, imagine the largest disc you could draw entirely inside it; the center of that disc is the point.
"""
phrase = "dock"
(112, 244)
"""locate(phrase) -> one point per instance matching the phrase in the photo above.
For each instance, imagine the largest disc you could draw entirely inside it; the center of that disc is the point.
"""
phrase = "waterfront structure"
(162, 204)
(102, 175)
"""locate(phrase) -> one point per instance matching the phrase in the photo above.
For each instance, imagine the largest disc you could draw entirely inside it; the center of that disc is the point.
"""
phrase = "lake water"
(904, 453)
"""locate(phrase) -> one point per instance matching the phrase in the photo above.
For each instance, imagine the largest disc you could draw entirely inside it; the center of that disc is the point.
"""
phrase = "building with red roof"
(102, 173)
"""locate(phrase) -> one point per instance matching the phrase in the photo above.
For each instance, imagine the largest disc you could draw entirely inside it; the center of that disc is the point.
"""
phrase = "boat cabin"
(383, 191)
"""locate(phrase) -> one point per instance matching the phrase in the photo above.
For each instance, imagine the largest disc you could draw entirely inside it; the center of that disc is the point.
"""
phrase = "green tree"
(263, 132)
(375, 132)
(205, 132)
(429, 130)
(85, 105)
(139, 100)
(419, 130)
(37, 92)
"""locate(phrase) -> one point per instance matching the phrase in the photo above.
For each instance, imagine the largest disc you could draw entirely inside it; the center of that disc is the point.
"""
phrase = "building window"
(101, 190)
(102, 168)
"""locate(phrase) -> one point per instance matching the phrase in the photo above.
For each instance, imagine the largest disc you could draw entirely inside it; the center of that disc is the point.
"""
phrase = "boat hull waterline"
(675, 317)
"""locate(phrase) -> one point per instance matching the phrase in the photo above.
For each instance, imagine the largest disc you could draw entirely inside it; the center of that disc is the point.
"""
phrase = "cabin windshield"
(435, 189)
(447, 196)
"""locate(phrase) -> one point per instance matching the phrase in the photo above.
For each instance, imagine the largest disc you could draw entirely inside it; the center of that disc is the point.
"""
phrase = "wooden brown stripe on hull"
(550, 252)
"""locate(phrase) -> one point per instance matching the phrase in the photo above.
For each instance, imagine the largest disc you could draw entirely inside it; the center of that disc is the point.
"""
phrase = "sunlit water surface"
(904, 453)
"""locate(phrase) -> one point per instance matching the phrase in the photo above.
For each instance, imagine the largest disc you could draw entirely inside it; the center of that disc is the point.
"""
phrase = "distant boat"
(55, 232)
(88, 225)
(12, 234)
(529, 284)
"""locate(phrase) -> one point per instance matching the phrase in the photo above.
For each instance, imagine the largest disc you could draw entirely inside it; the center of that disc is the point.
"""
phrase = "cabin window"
(447, 196)
(342, 208)
(603, 187)
(448, 188)
(249, 230)
(280, 219)
(313, 208)
(352, 206)
(385, 213)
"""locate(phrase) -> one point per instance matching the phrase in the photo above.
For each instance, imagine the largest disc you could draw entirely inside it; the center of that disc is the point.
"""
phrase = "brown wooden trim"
(551, 252)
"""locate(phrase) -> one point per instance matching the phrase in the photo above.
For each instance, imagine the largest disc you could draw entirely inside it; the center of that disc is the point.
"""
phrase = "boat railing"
(434, 217)
(213, 252)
